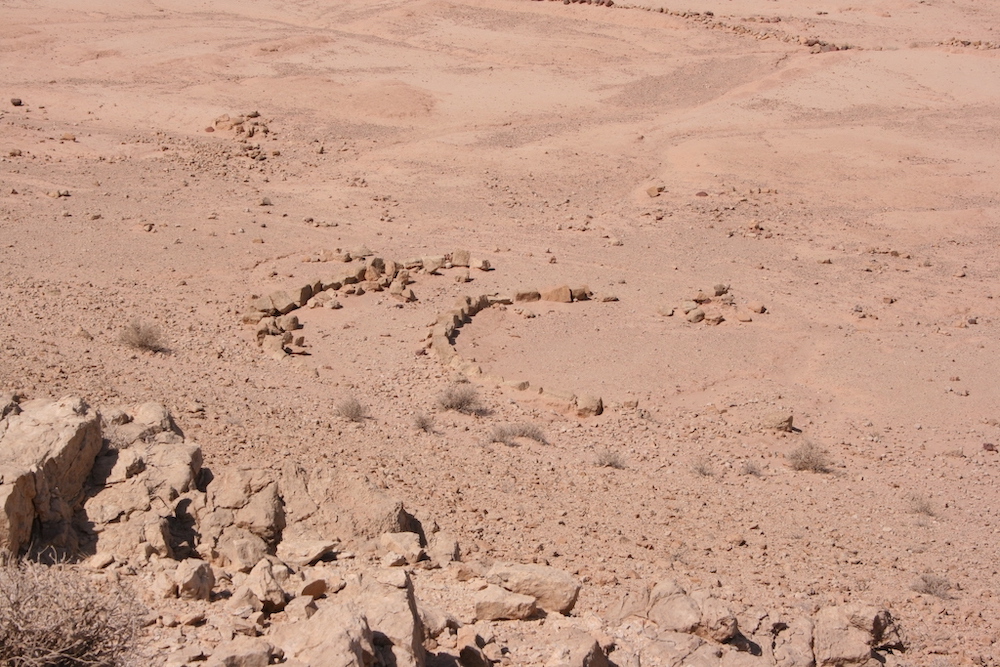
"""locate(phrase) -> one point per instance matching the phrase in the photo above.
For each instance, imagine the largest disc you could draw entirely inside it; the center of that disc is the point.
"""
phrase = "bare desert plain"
(679, 222)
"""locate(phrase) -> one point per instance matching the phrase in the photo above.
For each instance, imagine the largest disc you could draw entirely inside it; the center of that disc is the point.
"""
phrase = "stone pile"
(711, 307)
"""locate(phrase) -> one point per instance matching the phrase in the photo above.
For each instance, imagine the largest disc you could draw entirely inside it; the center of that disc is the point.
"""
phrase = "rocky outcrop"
(48, 449)
(260, 558)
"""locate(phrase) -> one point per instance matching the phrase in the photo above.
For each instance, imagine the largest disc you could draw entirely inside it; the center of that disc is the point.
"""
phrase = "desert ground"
(831, 165)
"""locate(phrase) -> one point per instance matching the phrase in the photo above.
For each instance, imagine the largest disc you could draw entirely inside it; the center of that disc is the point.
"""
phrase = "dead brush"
(932, 584)
(921, 504)
(462, 398)
(141, 335)
(508, 434)
(423, 422)
(809, 457)
(609, 459)
(751, 467)
(703, 467)
(55, 616)
(351, 409)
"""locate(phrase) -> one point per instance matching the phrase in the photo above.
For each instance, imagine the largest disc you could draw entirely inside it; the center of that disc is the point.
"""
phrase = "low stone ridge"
(440, 341)
(270, 313)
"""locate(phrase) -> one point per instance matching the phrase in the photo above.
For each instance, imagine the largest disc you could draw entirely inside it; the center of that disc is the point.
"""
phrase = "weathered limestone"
(49, 450)
(561, 294)
(552, 589)
(494, 603)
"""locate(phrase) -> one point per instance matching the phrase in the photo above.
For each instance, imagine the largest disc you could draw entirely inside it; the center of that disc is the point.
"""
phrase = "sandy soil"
(851, 192)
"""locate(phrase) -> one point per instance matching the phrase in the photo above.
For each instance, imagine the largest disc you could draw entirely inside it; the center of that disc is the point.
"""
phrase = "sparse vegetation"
(809, 457)
(703, 467)
(751, 467)
(54, 616)
(932, 584)
(423, 422)
(508, 434)
(461, 398)
(352, 410)
(609, 459)
(143, 336)
(921, 504)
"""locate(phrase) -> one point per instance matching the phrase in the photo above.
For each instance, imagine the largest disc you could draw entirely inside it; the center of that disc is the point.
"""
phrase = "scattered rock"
(588, 405)
(406, 545)
(561, 294)
(527, 296)
(777, 421)
(460, 258)
(554, 589)
(696, 315)
(194, 579)
(304, 552)
(576, 648)
(242, 652)
(496, 604)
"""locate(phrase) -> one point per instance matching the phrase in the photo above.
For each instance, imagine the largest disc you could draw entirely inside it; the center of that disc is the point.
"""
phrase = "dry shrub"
(932, 584)
(750, 467)
(507, 434)
(352, 410)
(703, 467)
(461, 398)
(52, 615)
(920, 504)
(143, 336)
(808, 456)
(423, 422)
(609, 459)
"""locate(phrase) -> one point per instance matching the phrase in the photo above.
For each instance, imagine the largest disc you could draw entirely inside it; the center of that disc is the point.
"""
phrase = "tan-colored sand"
(854, 193)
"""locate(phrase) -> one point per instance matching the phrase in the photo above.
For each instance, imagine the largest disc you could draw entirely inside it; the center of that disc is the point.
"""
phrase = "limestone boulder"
(239, 549)
(588, 405)
(576, 648)
(264, 585)
(335, 636)
(718, 622)
(304, 551)
(406, 545)
(195, 579)
(777, 421)
(172, 469)
(561, 294)
(242, 652)
(263, 514)
(793, 642)
(48, 449)
(494, 603)
(388, 603)
(460, 258)
(552, 588)
(676, 613)
(845, 635)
